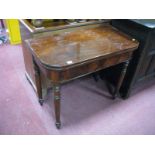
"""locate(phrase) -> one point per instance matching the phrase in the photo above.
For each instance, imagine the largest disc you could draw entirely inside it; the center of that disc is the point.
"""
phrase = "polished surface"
(78, 46)
(77, 53)
(28, 31)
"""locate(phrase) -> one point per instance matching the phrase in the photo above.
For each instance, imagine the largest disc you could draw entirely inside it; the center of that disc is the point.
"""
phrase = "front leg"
(123, 72)
(56, 90)
(38, 84)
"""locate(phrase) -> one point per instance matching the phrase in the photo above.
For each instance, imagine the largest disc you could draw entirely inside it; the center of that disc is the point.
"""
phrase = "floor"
(86, 106)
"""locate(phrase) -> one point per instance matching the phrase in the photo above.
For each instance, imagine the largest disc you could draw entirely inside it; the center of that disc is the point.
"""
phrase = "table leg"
(56, 90)
(38, 84)
(116, 91)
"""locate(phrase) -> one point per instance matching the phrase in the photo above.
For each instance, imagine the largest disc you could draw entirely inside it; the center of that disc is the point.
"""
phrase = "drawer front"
(82, 70)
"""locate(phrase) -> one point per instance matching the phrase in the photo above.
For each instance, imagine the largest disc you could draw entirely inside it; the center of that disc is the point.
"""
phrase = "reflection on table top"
(80, 45)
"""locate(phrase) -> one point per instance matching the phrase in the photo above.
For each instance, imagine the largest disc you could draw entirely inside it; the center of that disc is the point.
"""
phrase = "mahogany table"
(70, 55)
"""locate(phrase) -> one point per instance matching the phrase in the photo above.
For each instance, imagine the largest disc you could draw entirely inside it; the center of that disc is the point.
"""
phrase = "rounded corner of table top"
(40, 43)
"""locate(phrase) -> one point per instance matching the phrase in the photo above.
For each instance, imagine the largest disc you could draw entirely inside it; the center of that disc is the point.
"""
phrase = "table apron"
(68, 74)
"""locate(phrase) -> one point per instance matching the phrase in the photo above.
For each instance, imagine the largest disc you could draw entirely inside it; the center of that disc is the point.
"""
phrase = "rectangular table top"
(80, 45)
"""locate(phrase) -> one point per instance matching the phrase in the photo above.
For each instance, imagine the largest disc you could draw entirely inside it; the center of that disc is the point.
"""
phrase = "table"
(70, 55)
(28, 31)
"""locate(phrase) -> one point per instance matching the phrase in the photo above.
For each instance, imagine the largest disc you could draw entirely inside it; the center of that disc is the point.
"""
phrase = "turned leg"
(123, 72)
(38, 84)
(56, 90)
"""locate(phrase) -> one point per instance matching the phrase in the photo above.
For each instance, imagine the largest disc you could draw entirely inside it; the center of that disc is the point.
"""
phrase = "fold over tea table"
(76, 53)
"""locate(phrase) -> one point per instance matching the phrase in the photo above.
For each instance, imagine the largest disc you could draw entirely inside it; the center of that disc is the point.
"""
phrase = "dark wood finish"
(56, 91)
(142, 66)
(77, 53)
(29, 66)
(123, 72)
(82, 45)
(38, 83)
(48, 28)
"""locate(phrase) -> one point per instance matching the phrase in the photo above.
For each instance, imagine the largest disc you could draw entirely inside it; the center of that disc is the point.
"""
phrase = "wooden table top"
(82, 45)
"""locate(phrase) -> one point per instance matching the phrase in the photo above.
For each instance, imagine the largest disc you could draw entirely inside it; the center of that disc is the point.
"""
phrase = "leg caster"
(41, 101)
(116, 92)
(58, 125)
